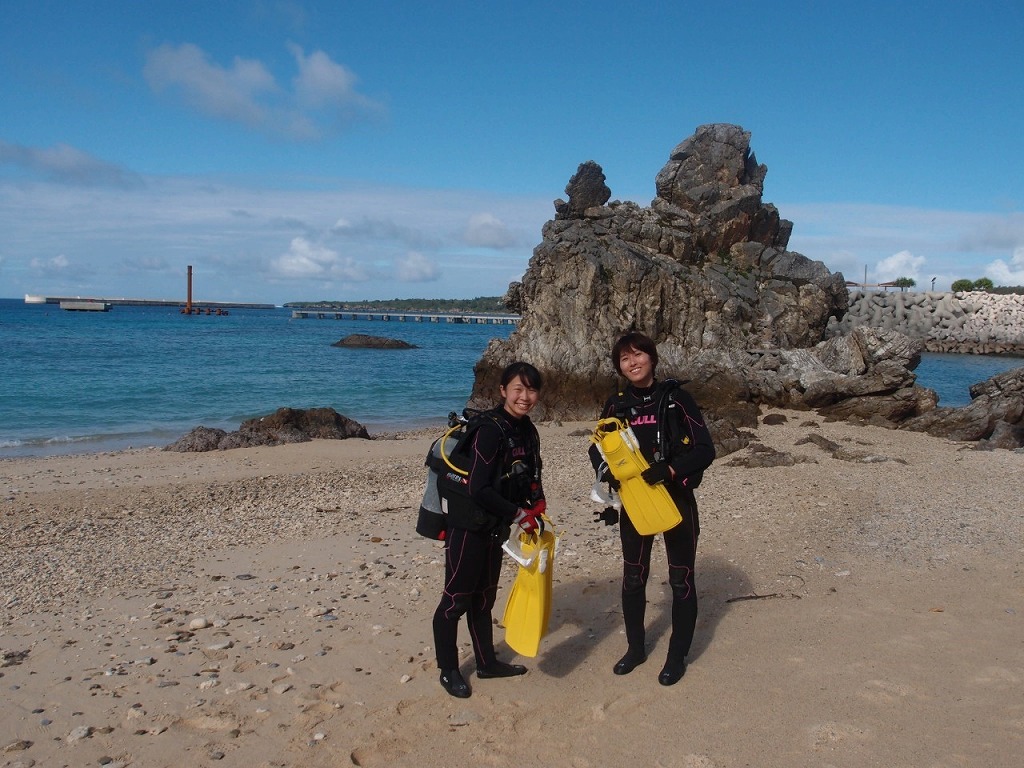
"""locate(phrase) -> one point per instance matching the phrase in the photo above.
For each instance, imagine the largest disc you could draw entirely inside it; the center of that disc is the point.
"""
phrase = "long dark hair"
(634, 340)
(530, 375)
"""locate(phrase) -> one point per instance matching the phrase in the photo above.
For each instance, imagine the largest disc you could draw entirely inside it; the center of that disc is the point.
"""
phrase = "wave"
(61, 445)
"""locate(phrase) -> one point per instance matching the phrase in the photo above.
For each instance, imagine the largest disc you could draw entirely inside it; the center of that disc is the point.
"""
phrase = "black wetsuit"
(473, 555)
(690, 452)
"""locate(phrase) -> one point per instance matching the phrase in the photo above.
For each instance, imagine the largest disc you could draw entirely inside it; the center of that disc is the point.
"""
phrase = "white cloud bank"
(890, 242)
(342, 241)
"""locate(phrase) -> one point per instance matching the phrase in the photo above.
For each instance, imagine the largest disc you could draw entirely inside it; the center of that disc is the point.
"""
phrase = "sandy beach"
(271, 607)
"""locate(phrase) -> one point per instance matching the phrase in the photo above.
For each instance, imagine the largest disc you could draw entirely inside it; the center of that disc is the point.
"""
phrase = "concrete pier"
(405, 317)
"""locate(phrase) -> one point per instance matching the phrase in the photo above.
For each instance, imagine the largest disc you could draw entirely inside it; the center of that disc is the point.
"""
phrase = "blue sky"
(349, 150)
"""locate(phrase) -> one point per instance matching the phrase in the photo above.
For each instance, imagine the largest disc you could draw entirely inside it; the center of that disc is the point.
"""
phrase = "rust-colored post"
(188, 301)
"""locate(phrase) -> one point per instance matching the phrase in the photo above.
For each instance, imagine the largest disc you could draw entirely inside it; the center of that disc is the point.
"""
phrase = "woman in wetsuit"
(502, 455)
(655, 409)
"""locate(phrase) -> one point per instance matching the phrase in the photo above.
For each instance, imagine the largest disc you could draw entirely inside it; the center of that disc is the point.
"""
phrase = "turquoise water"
(952, 375)
(76, 382)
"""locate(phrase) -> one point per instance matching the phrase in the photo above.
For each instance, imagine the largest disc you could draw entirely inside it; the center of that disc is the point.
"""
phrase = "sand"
(271, 607)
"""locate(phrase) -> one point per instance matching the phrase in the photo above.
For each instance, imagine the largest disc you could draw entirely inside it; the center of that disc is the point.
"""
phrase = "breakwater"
(966, 322)
(122, 302)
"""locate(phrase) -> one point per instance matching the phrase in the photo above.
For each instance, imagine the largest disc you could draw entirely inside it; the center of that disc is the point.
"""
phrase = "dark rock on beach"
(362, 341)
(199, 440)
(285, 425)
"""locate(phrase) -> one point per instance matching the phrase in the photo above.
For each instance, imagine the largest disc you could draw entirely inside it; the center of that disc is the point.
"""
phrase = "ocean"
(82, 382)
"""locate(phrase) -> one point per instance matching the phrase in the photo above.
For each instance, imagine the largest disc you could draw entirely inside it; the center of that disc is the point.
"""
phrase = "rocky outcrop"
(285, 425)
(868, 373)
(363, 341)
(967, 322)
(703, 270)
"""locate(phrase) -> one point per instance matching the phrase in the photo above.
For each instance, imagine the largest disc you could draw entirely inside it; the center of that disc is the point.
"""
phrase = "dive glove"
(528, 521)
(658, 472)
(608, 515)
(608, 477)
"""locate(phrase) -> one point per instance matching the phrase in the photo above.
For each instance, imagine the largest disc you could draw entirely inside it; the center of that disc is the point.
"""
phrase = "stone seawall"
(967, 322)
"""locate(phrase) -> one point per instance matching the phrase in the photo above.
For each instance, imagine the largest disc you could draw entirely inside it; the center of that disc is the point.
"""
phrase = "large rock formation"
(705, 272)
(704, 268)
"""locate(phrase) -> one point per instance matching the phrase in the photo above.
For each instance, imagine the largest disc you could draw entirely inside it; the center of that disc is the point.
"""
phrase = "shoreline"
(271, 607)
(72, 447)
(398, 426)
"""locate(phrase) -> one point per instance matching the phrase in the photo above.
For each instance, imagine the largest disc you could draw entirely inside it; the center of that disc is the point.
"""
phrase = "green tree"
(904, 282)
(983, 284)
(962, 285)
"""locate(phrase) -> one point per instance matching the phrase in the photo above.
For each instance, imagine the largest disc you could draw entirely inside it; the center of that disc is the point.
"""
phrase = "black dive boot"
(635, 656)
(500, 669)
(673, 671)
(456, 685)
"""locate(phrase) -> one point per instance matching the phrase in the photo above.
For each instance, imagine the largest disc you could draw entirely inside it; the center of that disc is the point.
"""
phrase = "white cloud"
(383, 231)
(1002, 273)
(230, 93)
(485, 230)
(322, 82)
(416, 268)
(902, 264)
(305, 260)
(323, 92)
(252, 243)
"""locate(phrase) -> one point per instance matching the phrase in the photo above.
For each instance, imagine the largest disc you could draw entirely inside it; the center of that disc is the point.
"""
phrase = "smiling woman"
(665, 425)
(500, 488)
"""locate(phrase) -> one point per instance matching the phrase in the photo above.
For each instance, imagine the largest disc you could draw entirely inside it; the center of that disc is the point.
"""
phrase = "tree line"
(981, 284)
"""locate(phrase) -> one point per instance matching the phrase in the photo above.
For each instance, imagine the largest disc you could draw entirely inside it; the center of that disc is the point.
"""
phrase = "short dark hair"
(634, 340)
(530, 375)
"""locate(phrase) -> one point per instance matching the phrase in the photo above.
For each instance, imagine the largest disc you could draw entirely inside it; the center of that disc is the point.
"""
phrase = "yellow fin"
(528, 610)
(650, 507)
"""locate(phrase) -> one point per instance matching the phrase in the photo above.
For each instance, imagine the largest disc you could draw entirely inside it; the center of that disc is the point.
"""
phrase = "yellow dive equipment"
(650, 508)
(528, 609)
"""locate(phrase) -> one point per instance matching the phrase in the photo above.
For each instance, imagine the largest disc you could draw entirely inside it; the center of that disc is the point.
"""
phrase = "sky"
(295, 151)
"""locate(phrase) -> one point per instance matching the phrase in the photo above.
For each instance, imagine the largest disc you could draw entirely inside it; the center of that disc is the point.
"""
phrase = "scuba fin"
(528, 610)
(650, 507)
